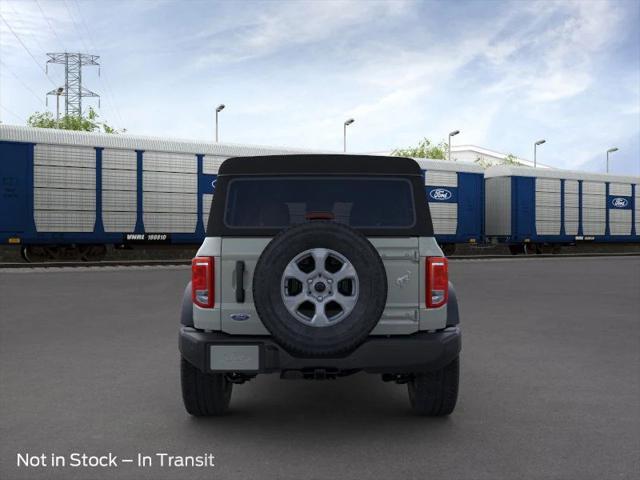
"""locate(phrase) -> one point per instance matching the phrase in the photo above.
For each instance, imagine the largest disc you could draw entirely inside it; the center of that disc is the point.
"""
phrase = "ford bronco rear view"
(315, 267)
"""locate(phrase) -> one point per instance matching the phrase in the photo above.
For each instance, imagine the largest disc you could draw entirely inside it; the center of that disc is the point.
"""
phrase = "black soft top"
(320, 164)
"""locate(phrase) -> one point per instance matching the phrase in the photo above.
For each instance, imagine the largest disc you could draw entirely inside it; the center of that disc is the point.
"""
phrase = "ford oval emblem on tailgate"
(240, 317)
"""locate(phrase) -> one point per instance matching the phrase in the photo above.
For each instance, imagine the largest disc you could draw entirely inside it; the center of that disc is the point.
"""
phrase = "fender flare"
(453, 315)
(186, 311)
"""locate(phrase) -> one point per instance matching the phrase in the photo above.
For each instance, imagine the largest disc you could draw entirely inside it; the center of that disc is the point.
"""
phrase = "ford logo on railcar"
(619, 202)
(440, 194)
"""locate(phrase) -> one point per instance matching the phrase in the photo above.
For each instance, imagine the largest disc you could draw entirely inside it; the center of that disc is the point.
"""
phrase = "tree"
(483, 162)
(424, 149)
(88, 123)
(510, 159)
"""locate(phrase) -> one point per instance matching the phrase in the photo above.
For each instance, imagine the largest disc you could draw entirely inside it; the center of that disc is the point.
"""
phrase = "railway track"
(185, 262)
(102, 263)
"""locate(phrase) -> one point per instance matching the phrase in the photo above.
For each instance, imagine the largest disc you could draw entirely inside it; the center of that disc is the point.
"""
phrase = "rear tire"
(434, 394)
(203, 394)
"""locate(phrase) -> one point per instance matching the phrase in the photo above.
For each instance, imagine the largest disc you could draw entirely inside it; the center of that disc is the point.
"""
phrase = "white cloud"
(557, 60)
(270, 27)
(291, 72)
(537, 58)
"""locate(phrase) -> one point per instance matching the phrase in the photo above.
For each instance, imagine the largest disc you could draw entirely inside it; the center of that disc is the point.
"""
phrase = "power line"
(111, 98)
(112, 101)
(73, 91)
(50, 25)
(84, 24)
(27, 49)
(22, 23)
(23, 83)
(9, 111)
(75, 25)
(20, 19)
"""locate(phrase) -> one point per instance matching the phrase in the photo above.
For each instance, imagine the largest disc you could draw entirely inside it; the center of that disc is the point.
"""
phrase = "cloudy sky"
(504, 73)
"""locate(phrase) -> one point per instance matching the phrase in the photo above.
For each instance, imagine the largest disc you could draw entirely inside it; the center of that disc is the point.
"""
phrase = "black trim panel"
(395, 354)
(453, 316)
(186, 311)
(240, 281)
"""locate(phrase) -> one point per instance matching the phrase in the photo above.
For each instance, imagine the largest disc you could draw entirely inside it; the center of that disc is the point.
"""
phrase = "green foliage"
(484, 163)
(88, 123)
(510, 159)
(424, 149)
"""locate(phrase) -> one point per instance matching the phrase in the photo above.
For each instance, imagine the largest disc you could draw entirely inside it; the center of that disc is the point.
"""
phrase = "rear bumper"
(379, 354)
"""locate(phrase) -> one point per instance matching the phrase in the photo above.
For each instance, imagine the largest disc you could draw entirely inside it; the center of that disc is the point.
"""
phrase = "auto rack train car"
(67, 194)
(455, 192)
(536, 210)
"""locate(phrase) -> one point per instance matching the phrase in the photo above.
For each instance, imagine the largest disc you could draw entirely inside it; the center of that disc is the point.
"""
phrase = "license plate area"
(234, 358)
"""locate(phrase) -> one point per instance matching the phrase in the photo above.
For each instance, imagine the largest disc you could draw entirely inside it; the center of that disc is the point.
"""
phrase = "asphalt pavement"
(550, 384)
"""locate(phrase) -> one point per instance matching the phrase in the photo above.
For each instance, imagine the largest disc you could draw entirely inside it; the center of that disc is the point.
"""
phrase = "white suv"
(319, 266)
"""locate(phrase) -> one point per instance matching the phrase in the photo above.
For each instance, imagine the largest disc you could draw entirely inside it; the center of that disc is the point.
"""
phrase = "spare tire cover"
(319, 288)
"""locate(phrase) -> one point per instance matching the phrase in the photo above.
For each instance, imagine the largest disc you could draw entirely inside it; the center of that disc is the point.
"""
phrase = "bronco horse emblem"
(403, 280)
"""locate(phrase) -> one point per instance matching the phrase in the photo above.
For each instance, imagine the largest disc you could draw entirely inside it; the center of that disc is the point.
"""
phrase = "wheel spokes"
(293, 271)
(293, 302)
(321, 294)
(319, 258)
(346, 302)
(346, 271)
(320, 318)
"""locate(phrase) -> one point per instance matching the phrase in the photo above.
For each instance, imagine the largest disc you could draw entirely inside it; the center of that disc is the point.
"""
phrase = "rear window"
(361, 202)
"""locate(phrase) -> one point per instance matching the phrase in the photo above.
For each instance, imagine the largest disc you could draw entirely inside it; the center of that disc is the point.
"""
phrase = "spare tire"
(319, 288)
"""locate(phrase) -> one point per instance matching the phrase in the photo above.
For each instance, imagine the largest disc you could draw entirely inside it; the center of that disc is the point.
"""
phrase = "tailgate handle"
(240, 281)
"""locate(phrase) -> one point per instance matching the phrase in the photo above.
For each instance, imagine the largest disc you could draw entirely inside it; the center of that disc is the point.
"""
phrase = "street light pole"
(344, 133)
(58, 93)
(535, 146)
(451, 134)
(611, 150)
(218, 110)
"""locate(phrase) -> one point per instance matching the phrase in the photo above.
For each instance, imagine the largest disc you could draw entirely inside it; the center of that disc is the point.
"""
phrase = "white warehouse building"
(481, 155)
(471, 153)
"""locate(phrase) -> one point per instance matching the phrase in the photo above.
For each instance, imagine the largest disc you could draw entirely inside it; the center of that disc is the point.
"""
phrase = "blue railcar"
(69, 194)
(455, 192)
(534, 209)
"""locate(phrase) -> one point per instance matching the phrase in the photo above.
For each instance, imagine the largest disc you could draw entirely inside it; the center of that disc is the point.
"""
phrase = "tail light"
(437, 281)
(202, 281)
